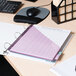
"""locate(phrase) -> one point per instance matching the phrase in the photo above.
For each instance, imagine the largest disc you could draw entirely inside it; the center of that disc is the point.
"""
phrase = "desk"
(27, 67)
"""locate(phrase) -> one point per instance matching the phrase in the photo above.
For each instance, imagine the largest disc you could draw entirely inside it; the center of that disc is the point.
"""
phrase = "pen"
(75, 68)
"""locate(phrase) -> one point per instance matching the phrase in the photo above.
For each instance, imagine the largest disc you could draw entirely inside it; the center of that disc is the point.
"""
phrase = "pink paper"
(34, 43)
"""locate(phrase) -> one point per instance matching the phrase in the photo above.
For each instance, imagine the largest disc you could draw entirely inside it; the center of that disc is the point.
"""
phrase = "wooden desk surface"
(27, 67)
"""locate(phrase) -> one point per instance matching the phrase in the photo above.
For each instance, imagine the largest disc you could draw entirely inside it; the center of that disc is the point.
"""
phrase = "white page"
(66, 68)
(58, 36)
(7, 34)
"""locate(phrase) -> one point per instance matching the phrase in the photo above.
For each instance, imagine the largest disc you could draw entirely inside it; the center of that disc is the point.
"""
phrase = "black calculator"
(9, 6)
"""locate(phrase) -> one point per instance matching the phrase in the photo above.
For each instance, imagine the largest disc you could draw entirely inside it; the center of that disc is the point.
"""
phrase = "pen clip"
(75, 68)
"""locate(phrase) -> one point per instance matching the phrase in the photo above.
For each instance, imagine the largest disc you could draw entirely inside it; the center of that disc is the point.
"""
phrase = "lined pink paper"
(34, 43)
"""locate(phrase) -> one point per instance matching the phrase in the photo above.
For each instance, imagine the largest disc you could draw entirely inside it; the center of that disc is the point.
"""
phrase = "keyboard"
(9, 6)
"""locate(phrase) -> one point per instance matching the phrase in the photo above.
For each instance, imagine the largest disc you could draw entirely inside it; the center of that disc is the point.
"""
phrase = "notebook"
(66, 68)
(40, 42)
(7, 34)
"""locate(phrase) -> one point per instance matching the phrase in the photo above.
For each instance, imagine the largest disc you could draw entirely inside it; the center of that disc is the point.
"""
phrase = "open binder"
(35, 42)
(40, 42)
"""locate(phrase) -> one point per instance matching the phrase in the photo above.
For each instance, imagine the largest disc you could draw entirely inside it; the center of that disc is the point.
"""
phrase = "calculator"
(9, 6)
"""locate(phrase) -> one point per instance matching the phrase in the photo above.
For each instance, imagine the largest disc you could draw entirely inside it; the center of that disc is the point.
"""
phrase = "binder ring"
(17, 33)
(6, 43)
